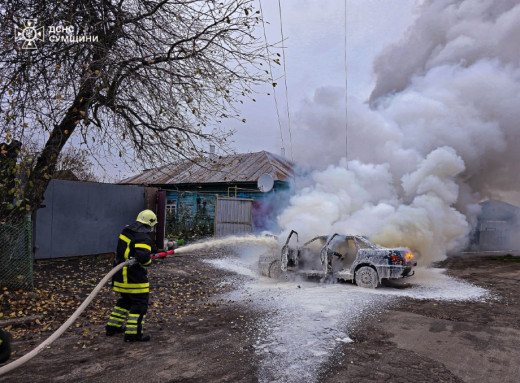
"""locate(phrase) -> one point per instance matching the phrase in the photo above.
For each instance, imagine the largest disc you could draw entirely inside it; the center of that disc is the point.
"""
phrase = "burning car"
(338, 257)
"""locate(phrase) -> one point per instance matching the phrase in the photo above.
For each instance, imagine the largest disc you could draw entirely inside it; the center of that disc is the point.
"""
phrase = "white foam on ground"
(307, 320)
(430, 283)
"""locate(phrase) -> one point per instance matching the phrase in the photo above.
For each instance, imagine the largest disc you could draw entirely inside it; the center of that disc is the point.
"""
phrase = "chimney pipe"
(212, 152)
(282, 151)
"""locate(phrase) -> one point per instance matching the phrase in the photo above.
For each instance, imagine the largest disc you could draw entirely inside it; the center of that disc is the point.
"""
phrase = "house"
(67, 175)
(254, 185)
(498, 227)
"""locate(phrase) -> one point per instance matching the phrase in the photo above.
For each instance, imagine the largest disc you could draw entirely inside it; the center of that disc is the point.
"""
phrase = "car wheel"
(276, 272)
(367, 277)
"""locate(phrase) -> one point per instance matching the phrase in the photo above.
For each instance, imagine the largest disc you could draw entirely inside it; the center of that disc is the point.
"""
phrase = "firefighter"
(5, 345)
(132, 281)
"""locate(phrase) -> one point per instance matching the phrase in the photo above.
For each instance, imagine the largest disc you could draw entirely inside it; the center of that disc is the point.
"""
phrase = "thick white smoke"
(454, 80)
(440, 132)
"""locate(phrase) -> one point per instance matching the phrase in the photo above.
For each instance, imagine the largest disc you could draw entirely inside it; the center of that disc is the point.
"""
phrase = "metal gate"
(81, 218)
(233, 216)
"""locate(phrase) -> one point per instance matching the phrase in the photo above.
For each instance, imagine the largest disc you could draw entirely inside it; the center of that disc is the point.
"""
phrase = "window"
(171, 207)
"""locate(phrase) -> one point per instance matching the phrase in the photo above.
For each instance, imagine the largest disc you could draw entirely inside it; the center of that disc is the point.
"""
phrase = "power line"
(285, 78)
(346, 90)
(272, 77)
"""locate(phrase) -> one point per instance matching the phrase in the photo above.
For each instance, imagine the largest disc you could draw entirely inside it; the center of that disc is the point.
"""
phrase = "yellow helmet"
(147, 217)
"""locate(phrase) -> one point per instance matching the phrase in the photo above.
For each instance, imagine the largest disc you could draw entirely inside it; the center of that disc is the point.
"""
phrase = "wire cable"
(285, 78)
(346, 90)
(272, 77)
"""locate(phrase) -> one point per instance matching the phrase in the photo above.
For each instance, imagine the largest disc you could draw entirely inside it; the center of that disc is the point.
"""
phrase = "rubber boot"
(112, 330)
(5, 345)
(137, 337)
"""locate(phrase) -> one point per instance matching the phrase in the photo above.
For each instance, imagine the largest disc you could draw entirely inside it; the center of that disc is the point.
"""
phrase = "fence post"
(28, 230)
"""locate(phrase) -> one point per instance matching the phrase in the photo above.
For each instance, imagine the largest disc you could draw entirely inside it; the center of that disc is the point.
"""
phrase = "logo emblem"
(29, 34)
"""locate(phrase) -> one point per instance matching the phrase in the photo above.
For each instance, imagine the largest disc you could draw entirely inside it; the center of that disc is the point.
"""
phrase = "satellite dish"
(265, 183)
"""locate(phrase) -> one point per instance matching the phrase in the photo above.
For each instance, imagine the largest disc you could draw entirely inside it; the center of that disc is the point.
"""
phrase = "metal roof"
(247, 167)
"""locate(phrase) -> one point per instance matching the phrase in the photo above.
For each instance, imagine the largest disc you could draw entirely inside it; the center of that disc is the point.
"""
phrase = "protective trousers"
(132, 308)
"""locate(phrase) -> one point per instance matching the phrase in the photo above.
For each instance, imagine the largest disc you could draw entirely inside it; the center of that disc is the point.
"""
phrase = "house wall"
(498, 227)
(189, 215)
(194, 206)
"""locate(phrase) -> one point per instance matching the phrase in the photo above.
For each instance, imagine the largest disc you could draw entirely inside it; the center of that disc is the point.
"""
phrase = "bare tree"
(77, 162)
(148, 80)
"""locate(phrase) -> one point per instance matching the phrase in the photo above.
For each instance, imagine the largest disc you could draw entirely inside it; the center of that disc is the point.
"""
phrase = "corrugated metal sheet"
(498, 227)
(246, 167)
(98, 211)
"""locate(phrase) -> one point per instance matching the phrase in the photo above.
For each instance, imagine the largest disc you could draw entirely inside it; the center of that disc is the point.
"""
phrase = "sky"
(314, 34)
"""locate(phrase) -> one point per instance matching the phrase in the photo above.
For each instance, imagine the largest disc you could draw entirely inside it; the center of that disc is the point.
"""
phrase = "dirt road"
(431, 341)
(200, 335)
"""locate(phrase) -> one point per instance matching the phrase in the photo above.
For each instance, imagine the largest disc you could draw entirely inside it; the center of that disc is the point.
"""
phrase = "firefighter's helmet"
(147, 217)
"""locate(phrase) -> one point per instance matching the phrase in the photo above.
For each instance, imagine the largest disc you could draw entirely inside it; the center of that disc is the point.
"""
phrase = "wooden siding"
(233, 216)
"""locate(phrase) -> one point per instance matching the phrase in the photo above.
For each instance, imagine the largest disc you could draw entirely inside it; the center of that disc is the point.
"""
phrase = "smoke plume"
(438, 134)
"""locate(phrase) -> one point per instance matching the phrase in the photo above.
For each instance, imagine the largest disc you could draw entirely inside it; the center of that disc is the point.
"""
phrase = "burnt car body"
(338, 257)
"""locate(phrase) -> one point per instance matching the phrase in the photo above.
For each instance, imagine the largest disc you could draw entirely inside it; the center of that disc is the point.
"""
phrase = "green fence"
(16, 261)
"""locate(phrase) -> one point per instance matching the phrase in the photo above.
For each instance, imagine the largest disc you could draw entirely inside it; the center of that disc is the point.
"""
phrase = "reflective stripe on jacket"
(134, 242)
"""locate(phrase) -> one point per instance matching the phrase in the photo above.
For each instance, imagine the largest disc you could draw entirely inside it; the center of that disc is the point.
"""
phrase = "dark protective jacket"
(134, 242)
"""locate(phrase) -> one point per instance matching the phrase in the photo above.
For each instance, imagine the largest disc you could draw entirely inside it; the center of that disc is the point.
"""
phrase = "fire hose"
(162, 254)
(18, 362)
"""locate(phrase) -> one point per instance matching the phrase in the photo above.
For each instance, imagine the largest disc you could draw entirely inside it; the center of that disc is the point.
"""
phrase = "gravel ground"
(212, 319)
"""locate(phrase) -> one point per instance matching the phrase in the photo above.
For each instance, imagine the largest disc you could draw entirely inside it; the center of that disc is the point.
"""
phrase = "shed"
(191, 190)
(498, 227)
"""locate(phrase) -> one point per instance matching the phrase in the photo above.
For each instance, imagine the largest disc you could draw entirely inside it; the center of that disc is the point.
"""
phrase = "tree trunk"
(46, 164)
(8, 175)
